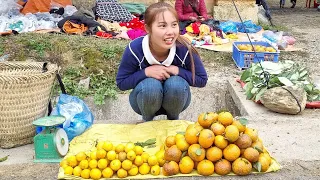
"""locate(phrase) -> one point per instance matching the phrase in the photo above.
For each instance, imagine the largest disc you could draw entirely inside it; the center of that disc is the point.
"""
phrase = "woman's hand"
(173, 70)
(193, 19)
(201, 18)
(158, 72)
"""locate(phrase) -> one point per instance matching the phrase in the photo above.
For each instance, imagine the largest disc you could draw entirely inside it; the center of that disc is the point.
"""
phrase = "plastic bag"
(248, 27)
(9, 5)
(78, 115)
(229, 27)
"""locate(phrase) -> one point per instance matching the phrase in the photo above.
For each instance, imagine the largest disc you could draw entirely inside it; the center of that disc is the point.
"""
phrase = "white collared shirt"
(150, 58)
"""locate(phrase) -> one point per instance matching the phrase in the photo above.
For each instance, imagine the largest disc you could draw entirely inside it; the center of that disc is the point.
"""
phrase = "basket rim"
(52, 68)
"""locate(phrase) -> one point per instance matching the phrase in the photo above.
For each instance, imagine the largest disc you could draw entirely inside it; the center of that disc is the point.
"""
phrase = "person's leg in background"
(282, 2)
(293, 3)
(146, 98)
(176, 96)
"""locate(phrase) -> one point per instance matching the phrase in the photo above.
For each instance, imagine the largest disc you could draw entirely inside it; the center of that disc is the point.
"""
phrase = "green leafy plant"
(287, 73)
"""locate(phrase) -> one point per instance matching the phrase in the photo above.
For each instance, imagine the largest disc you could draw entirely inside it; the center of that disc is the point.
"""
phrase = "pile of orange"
(109, 160)
(216, 143)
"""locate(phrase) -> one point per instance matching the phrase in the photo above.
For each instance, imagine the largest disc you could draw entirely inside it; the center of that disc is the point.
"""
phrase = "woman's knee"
(176, 84)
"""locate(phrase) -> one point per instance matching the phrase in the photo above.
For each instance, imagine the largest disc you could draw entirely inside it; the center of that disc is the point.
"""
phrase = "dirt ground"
(304, 25)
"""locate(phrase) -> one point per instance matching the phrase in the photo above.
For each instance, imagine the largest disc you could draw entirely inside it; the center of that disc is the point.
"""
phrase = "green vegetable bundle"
(287, 73)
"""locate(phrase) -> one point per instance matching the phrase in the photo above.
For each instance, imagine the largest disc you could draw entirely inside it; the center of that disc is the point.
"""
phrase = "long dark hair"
(152, 11)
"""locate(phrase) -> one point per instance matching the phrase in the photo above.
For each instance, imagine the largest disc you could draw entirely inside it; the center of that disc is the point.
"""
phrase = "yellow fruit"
(121, 173)
(102, 163)
(241, 166)
(131, 155)
(101, 153)
(95, 174)
(63, 163)
(253, 133)
(119, 148)
(144, 169)
(178, 136)
(72, 161)
(100, 145)
(108, 146)
(186, 165)
(81, 156)
(93, 155)
(220, 142)
(93, 163)
(152, 160)
(138, 150)
(122, 156)
(231, 133)
(231, 152)
(126, 164)
(77, 171)
(214, 154)
(257, 145)
(138, 161)
(205, 168)
(107, 172)
(160, 157)
(267, 156)
(182, 144)
(170, 141)
(68, 170)
(84, 164)
(217, 128)
(225, 118)
(155, 170)
(129, 146)
(111, 155)
(133, 171)
(240, 127)
(115, 164)
(264, 163)
(85, 173)
(145, 157)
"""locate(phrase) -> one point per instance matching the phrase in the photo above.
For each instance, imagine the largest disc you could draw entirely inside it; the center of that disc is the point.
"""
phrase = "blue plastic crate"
(244, 59)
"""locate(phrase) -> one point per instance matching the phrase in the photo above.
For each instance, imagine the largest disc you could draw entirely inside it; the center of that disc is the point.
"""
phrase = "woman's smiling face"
(164, 31)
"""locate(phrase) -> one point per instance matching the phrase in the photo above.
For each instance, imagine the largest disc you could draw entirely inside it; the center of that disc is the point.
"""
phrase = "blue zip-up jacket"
(133, 64)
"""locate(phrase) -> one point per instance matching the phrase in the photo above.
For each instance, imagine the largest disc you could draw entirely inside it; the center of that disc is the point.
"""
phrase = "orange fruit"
(186, 165)
(257, 145)
(173, 154)
(214, 154)
(170, 141)
(220, 142)
(240, 127)
(231, 133)
(170, 168)
(196, 152)
(241, 166)
(244, 141)
(222, 167)
(253, 133)
(217, 128)
(231, 152)
(206, 138)
(225, 118)
(251, 154)
(192, 136)
(206, 119)
(205, 168)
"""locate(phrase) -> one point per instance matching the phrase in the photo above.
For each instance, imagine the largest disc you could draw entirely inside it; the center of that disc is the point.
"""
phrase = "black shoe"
(293, 5)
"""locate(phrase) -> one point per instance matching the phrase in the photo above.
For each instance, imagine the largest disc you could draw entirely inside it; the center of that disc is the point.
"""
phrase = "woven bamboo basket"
(24, 96)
